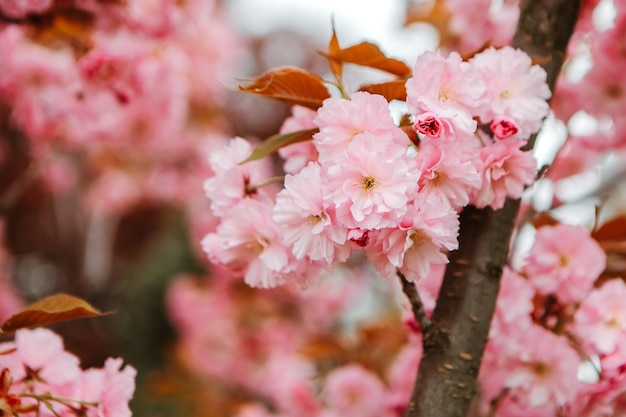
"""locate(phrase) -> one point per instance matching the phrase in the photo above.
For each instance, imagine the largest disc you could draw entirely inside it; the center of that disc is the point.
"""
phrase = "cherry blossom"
(517, 91)
(308, 221)
(600, 321)
(564, 261)
(506, 171)
(448, 90)
(340, 121)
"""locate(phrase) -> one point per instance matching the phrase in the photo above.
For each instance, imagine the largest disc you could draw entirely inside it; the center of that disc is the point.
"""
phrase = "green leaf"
(274, 143)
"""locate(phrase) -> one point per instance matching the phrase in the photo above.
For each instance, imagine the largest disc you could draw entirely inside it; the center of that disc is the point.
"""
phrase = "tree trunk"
(455, 342)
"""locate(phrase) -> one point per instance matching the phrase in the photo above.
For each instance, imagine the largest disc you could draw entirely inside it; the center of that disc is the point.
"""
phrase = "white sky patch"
(376, 21)
(604, 15)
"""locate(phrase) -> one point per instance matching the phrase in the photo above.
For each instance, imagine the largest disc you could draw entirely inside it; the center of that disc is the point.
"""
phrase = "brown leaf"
(336, 66)
(291, 85)
(369, 55)
(53, 309)
(391, 90)
(614, 229)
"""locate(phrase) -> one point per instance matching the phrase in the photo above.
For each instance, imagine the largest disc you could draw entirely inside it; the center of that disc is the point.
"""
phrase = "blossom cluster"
(293, 338)
(576, 320)
(39, 378)
(362, 184)
(82, 92)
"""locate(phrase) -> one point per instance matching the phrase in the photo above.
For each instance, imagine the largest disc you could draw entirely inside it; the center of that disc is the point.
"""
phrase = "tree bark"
(455, 342)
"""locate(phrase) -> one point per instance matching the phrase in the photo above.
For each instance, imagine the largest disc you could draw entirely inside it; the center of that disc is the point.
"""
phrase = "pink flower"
(402, 374)
(372, 182)
(340, 121)
(506, 171)
(504, 127)
(354, 391)
(18, 9)
(449, 173)
(565, 262)
(291, 389)
(42, 351)
(600, 321)
(543, 371)
(425, 234)
(484, 22)
(428, 124)
(514, 305)
(517, 89)
(118, 389)
(307, 221)
(231, 181)
(538, 373)
(299, 154)
(248, 241)
(447, 91)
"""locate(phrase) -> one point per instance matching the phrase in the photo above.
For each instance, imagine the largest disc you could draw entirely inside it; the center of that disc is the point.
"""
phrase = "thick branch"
(466, 302)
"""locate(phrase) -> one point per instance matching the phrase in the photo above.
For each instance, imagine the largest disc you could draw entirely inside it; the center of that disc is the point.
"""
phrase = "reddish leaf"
(392, 90)
(612, 230)
(336, 66)
(291, 85)
(53, 309)
(368, 54)
(274, 143)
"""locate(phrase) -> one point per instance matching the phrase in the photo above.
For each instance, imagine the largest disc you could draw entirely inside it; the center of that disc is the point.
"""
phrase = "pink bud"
(428, 125)
(503, 127)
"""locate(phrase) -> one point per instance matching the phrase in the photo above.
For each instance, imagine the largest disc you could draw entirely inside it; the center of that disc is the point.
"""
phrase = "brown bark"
(455, 342)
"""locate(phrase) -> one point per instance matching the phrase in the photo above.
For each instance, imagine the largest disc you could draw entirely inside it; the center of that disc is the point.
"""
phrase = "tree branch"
(449, 368)
(422, 319)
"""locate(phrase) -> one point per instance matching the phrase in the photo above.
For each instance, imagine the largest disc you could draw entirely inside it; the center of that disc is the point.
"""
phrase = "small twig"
(425, 323)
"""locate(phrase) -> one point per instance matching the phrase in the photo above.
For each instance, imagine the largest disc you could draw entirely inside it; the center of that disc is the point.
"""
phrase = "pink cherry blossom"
(565, 262)
(446, 90)
(248, 241)
(118, 388)
(504, 127)
(506, 171)
(427, 231)
(42, 351)
(449, 172)
(307, 221)
(600, 321)
(539, 373)
(354, 391)
(402, 374)
(341, 120)
(372, 182)
(230, 183)
(517, 89)
(484, 22)
(514, 305)
(429, 125)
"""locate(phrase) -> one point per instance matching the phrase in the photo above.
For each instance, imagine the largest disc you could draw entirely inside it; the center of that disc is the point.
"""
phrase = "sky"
(379, 21)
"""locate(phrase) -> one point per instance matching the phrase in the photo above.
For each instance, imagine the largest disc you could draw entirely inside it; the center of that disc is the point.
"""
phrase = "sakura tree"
(441, 184)
(398, 248)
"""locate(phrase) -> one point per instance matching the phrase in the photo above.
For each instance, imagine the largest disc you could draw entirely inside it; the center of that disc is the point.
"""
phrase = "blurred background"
(109, 111)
